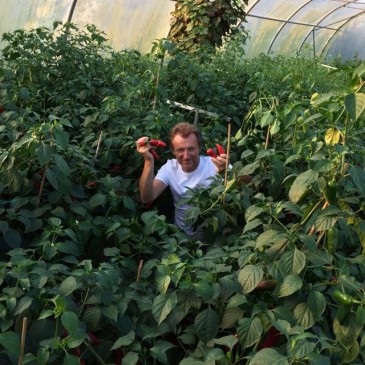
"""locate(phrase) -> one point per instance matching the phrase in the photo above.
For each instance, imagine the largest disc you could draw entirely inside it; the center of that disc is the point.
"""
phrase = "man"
(187, 171)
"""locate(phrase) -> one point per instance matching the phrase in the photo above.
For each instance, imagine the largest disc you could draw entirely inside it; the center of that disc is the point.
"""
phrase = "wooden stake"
(42, 185)
(139, 269)
(22, 342)
(98, 145)
(267, 137)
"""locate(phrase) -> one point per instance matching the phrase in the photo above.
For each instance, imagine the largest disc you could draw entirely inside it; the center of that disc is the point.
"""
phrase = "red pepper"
(211, 153)
(118, 356)
(220, 149)
(93, 338)
(1, 109)
(158, 143)
(272, 338)
(155, 143)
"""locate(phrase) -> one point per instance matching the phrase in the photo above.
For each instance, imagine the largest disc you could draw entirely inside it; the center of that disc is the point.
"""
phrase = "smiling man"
(187, 171)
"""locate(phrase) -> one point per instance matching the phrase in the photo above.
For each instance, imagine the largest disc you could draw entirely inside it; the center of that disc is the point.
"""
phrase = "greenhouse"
(182, 182)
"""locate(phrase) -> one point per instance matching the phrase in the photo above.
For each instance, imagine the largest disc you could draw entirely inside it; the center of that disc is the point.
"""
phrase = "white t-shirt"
(179, 181)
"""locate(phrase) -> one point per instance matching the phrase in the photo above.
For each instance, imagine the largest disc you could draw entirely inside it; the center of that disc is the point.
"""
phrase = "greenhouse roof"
(326, 28)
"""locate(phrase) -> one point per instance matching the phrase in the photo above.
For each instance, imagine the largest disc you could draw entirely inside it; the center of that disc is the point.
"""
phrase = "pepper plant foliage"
(199, 25)
(103, 280)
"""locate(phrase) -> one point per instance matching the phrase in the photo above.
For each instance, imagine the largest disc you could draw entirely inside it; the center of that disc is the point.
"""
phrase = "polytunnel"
(324, 28)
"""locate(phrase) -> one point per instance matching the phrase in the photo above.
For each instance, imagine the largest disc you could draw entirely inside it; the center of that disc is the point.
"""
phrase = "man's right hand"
(144, 148)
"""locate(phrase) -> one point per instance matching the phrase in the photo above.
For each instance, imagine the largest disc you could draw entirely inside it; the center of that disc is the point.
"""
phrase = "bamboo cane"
(98, 145)
(22, 342)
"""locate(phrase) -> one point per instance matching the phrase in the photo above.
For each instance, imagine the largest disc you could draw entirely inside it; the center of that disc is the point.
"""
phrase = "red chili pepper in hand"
(158, 143)
(155, 143)
(211, 153)
(220, 149)
(154, 154)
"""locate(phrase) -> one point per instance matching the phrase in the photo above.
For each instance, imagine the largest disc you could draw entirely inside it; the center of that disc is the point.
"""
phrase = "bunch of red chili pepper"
(218, 150)
(153, 143)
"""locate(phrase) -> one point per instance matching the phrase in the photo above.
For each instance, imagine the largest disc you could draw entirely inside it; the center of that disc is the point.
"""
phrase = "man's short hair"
(185, 129)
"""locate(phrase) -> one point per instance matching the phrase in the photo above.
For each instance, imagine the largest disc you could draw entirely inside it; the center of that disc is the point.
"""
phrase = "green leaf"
(250, 276)
(12, 238)
(252, 212)
(124, 340)
(163, 305)
(44, 153)
(229, 341)
(71, 360)
(62, 137)
(92, 317)
(249, 331)
(163, 282)
(22, 304)
(317, 304)
(158, 351)
(130, 358)
(357, 174)
(206, 324)
(355, 104)
(269, 356)
(62, 164)
(96, 200)
(51, 178)
(68, 285)
(290, 285)
(70, 322)
(301, 184)
(293, 261)
(11, 342)
(204, 290)
(111, 312)
(347, 332)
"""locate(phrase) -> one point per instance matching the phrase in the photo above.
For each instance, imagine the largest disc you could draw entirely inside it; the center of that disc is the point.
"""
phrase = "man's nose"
(186, 154)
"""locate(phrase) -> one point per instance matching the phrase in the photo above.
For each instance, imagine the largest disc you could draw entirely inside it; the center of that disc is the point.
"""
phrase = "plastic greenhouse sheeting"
(128, 24)
(325, 28)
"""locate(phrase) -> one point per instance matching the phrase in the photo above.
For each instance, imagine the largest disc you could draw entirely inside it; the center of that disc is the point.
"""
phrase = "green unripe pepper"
(332, 238)
(344, 298)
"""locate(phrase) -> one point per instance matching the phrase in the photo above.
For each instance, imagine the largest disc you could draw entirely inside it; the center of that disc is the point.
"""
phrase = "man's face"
(186, 151)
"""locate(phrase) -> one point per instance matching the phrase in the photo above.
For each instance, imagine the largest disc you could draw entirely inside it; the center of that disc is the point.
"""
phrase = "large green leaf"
(10, 341)
(269, 356)
(124, 340)
(96, 200)
(291, 284)
(71, 360)
(308, 313)
(163, 305)
(293, 261)
(301, 184)
(206, 324)
(229, 341)
(250, 276)
(249, 331)
(68, 285)
(23, 304)
(231, 316)
(130, 358)
(70, 322)
(347, 332)
(355, 104)
(158, 351)
(357, 174)
(44, 153)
